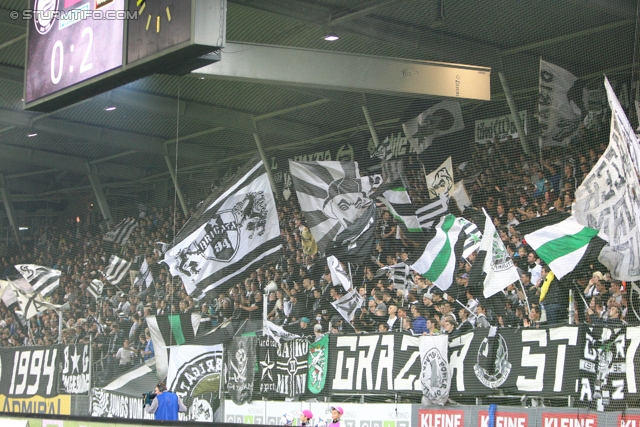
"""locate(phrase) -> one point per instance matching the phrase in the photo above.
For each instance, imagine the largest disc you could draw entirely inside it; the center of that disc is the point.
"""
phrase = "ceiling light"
(331, 37)
(23, 228)
(32, 135)
(110, 108)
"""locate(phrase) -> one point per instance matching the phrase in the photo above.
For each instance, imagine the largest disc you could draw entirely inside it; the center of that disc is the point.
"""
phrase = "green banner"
(318, 362)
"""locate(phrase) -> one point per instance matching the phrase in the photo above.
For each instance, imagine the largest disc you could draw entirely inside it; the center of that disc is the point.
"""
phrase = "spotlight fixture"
(331, 36)
(30, 135)
(111, 108)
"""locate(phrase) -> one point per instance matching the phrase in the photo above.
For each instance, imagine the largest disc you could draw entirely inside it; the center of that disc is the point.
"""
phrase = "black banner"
(239, 368)
(374, 363)
(30, 371)
(267, 357)
(75, 375)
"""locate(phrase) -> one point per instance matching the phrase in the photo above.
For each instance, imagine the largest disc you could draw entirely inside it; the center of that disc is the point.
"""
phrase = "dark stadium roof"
(587, 37)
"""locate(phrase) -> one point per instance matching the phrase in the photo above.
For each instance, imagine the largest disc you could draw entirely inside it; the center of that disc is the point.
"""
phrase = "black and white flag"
(75, 375)
(292, 367)
(441, 119)
(431, 212)
(31, 304)
(347, 305)
(116, 270)
(399, 274)
(267, 358)
(331, 195)
(144, 278)
(121, 232)
(383, 150)
(43, 280)
(354, 244)
(607, 199)
(236, 230)
(440, 180)
(95, 288)
(559, 118)
(338, 273)
(240, 360)
(435, 374)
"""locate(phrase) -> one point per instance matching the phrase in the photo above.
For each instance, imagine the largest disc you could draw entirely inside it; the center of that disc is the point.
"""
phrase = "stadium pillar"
(372, 128)
(174, 178)
(265, 161)
(514, 113)
(8, 206)
(96, 186)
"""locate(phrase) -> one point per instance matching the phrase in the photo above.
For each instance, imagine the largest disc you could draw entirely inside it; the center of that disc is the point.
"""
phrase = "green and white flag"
(438, 262)
(561, 243)
(498, 265)
(318, 365)
(399, 204)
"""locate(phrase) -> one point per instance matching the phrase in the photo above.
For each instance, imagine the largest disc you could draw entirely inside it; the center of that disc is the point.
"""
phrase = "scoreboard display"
(80, 48)
(66, 48)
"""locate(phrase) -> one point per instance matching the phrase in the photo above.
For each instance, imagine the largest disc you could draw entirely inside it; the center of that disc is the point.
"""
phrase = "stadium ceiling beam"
(323, 69)
(66, 162)
(209, 114)
(448, 47)
(96, 186)
(114, 137)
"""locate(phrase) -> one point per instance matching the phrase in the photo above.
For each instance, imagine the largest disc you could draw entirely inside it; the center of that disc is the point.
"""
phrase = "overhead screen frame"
(207, 37)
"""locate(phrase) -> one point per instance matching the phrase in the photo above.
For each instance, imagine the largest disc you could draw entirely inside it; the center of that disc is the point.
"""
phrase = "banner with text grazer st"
(531, 361)
(374, 364)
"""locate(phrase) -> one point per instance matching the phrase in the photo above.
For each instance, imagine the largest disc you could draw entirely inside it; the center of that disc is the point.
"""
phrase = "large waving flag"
(440, 180)
(560, 241)
(559, 117)
(438, 262)
(43, 280)
(168, 331)
(398, 202)
(331, 195)
(338, 273)
(498, 265)
(144, 276)
(607, 199)
(117, 269)
(431, 212)
(355, 243)
(236, 229)
(443, 118)
(121, 232)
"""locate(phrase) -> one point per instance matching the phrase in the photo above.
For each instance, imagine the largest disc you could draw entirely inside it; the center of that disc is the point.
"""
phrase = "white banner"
(487, 130)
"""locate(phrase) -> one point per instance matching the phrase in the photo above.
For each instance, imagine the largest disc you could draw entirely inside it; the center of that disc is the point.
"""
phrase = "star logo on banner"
(267, 366)
(476, 237)
(74, 360)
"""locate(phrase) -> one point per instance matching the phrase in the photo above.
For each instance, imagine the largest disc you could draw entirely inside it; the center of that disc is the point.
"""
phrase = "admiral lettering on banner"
(236, 230)
(436, 374)
(376, 363)
(607, 199)
(240, 360)
(194, 375)
(318, 365)
(525, 361)
(29, 371)
(75, 369)
(331, 195)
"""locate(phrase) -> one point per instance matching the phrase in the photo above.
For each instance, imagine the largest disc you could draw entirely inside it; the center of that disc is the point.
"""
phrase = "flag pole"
(526, 299)
(466, 308)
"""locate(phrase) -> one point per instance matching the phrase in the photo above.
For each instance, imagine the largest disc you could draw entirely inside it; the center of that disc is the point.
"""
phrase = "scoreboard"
(80, 48)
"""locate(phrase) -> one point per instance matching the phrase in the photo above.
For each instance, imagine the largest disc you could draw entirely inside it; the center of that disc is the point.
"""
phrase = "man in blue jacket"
(166, 404)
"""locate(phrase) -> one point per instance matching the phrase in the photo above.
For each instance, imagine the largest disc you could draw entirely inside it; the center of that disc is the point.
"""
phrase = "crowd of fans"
(511, 186)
